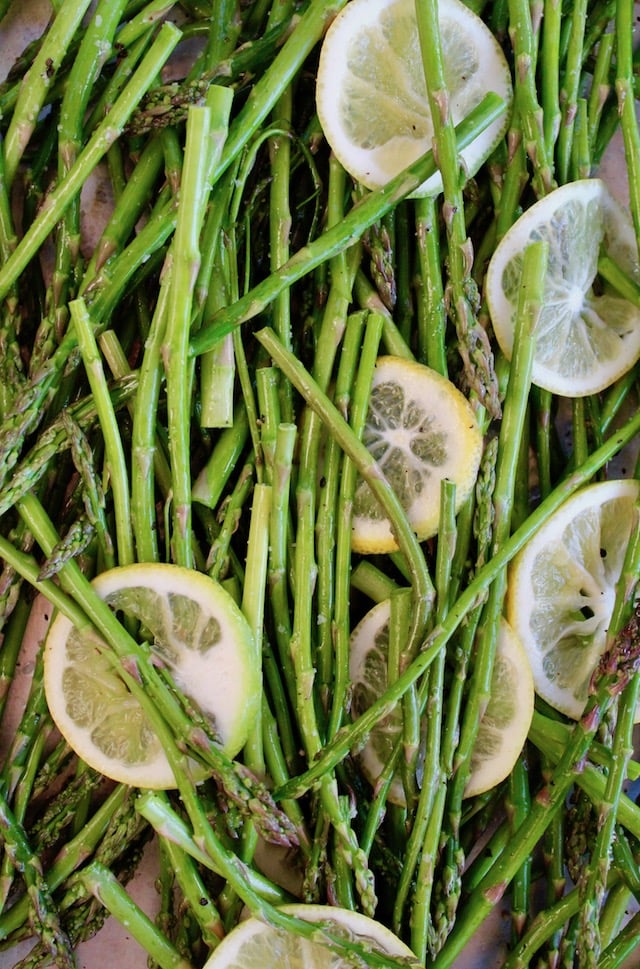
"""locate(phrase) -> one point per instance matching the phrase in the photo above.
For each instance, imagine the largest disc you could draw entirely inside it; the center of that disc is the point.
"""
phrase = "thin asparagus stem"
(462, 299)
(569, 92)
(100, 881)
(113, 444)
(100, 141)
(367, 469)
(32, 96)
(186, 259)
(44, 911)
(624, 88)
(524, 43)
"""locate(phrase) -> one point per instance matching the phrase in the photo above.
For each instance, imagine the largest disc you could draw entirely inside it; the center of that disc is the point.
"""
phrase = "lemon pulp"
(371, 94)
(194, 630)
(585, 339)
(421, 430)
(504, 725)
(562, 589)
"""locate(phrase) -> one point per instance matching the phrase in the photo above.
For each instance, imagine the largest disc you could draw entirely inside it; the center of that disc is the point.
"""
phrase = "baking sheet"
(113, 945)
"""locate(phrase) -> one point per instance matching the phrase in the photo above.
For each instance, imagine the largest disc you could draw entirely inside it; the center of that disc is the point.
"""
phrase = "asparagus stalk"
(98, 145)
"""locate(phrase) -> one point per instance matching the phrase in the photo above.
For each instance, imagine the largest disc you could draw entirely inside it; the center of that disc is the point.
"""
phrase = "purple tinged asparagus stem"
(45, 915)
(33, 90)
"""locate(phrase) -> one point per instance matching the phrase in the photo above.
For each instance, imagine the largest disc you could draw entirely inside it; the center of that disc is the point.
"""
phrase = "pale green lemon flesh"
(194, 630)
(504, 725)
(562, 589)
(421, 430)
(587, 335)
(253, 943)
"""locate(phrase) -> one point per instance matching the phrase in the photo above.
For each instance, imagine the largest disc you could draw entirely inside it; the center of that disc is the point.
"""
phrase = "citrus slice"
(562, 589)
(421, 430)
(368, 672)
(504, 725)
(194, 629)
(254, 943)
(585, 339)
(371, 95)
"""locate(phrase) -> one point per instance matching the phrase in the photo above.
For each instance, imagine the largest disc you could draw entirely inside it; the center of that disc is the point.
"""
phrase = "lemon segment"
(368, 672)
(504, 725)
(421, 430)
(561, 589)
(253, 943)
(371, 95)
(194, 630)
(585, 339)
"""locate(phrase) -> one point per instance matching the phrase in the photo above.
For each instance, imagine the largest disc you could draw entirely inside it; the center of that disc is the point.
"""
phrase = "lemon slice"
(195, 630)
(504, 725)
(253, 943)
(371, 95)
(562, 589)
(421, 430)
(368, 669)
(585, 339)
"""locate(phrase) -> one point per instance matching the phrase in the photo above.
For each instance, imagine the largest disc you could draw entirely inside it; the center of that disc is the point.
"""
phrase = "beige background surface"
(113, 946)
